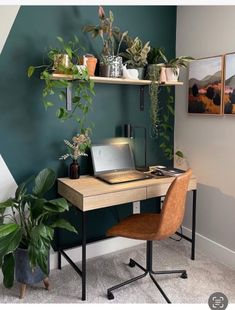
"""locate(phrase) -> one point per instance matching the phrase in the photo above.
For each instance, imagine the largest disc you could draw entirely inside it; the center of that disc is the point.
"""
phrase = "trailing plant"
(136, 54)
(107, 32)
(154, 91)
(71, 77)
(165, 128)
(29, 223)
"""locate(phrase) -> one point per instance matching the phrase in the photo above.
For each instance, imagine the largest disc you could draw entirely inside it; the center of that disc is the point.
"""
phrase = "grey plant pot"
(23, 271)
(141, 73)
(153, 71)
(111, 66)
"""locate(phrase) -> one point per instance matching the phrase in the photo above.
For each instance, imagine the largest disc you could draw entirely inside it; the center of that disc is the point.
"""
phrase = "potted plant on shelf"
(110, 60)
(136, 56)
(59, 75)
(28, 229)
(156, 59)
(173, 67)
(76, 149)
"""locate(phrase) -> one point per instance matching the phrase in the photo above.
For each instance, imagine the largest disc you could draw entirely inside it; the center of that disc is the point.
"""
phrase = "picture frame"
(229, 84)
(206, 86)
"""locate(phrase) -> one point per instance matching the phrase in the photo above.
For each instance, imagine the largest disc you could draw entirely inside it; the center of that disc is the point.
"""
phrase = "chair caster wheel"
(184, 275)
(110, 296)
(131, 263)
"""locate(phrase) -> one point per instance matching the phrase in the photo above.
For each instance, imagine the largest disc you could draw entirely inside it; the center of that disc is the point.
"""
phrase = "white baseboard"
(212, 249)
(95, 249)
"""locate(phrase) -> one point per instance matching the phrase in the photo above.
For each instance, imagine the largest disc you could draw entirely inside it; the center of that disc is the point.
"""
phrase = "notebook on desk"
(114, 163)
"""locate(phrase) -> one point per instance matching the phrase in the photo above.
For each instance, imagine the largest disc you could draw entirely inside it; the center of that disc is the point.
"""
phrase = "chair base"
(147, 271)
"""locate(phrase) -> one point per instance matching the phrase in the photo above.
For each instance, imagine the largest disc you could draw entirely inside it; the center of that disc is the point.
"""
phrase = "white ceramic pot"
(172, 75)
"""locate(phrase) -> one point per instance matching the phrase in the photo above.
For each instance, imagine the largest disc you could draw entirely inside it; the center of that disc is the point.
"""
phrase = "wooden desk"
(89, 193)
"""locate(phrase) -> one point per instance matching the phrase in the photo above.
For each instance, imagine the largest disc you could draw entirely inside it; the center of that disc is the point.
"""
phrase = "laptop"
(114, 163)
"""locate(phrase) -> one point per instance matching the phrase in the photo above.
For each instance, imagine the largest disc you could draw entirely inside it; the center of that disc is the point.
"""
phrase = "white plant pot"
(172, 75)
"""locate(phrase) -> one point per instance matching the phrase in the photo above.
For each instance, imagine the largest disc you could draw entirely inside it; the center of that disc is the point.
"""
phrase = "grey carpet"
(205, 276)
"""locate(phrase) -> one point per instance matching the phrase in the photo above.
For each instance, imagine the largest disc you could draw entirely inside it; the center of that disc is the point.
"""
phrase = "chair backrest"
(174, 205)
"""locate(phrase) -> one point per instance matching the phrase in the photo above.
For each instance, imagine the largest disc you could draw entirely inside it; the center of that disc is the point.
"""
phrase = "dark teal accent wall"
(32, 138)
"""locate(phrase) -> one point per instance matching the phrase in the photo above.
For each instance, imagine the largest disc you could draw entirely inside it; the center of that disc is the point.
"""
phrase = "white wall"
(208, 141)
(7, 16)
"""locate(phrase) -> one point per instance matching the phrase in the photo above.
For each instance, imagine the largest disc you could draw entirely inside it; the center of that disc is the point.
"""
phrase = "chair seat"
(138, 226)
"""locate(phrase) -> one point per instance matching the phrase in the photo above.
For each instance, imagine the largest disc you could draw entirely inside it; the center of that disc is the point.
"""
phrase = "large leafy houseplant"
(72, 77)
(29, 223)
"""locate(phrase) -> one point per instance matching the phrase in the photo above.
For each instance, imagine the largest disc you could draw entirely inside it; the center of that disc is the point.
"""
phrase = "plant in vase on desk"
(110, 60)
(27, 229)
(76, 149)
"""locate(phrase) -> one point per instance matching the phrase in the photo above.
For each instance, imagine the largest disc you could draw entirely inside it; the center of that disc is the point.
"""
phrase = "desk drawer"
(157, 190)
(114, 198)
(161, 189)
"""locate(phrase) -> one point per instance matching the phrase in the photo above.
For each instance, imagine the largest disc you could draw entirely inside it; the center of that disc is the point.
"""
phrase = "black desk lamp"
(129, 132)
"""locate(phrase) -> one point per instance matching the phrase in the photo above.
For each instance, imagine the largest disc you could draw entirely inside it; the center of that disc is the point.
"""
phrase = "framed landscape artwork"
(205, 93)
(229, 84)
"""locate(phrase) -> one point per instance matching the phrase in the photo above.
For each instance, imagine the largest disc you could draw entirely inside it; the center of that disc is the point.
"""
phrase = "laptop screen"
(109, 157)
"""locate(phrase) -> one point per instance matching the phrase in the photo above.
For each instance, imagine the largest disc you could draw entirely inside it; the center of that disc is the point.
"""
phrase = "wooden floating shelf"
(107, 80)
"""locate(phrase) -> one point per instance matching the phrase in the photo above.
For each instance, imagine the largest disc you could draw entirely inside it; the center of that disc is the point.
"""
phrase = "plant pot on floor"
(111, 66)
(24, 273)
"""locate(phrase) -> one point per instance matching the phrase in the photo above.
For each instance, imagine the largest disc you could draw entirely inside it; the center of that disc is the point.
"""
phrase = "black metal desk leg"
(83, 255)
(194, 224)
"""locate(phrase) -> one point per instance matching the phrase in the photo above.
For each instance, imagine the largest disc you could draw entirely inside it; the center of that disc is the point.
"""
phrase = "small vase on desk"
(74, 170)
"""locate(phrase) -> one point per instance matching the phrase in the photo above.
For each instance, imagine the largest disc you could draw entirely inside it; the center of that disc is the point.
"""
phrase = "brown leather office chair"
(153, 226)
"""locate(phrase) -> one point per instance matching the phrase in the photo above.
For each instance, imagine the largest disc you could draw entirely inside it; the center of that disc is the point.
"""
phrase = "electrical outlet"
(136, 207)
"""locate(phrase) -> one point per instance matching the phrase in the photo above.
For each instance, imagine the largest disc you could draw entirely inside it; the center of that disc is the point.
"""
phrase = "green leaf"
(69, 52)
(180, 154)
(10, 238)
(21, 189)
(57, 205)
(7, 229)
(8, 269)
(60, 39)
(31, 70)
(36, 206)
(62, 113)
(48, 104)
(7, 204)
(61, 223)
(171, 109)
(44, 182)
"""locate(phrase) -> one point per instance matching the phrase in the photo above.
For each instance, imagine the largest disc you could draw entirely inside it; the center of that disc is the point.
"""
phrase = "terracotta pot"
(91, 62)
